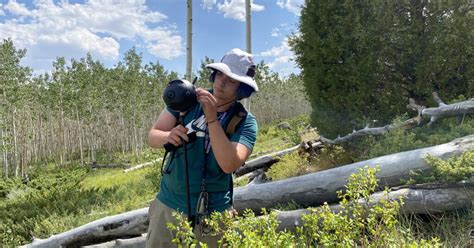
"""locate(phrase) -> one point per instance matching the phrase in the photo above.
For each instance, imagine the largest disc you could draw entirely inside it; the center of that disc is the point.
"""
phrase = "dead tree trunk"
(429, 200)
(459, 109)
(316, 188)
(129, 224)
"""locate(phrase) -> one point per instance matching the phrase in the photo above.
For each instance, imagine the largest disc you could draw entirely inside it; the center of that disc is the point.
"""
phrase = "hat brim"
(227, 71)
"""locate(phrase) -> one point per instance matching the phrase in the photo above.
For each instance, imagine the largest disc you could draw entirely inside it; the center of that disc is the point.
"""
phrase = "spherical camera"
(180, 95)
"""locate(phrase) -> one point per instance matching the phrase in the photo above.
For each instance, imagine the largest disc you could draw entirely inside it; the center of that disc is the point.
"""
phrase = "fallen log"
(443, 110)
(419, 200)
(374, 131)
(308, 190)
(433, 114)
(316, 188)
(267, 160)
(142, 165)
(125, 225)
(430, 200)
(137, 242)
(107, 166)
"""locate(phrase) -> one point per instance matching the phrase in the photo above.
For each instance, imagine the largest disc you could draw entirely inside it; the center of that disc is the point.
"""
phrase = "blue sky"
(157, 28)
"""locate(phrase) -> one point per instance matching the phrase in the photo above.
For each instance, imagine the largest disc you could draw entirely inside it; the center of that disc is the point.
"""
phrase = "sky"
(156, 28)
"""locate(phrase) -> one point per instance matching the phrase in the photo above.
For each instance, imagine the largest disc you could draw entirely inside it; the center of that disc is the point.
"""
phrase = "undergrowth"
(356, 224)
(59, 198)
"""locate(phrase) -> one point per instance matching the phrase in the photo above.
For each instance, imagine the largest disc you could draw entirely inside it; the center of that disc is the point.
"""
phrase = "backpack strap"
(238, 114)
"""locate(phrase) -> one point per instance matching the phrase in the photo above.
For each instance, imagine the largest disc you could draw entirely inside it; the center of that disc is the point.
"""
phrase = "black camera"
(180, 96)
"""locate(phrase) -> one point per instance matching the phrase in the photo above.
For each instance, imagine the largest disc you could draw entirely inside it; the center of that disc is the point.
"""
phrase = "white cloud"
(1, 10)
(281, 59)
(294, 6)
(208, 4)
(71, 30)
(234, 9)
(282, 29)
(15, 8)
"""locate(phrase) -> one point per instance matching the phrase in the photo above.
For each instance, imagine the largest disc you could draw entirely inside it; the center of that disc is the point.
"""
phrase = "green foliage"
(400, 140)
(59, 199)
(449, 171)
(184, 236)
(357, 224)
(271, 138)
(362, 60)
(290, 165)
(153, 175)
(453, 228)
(454, 169)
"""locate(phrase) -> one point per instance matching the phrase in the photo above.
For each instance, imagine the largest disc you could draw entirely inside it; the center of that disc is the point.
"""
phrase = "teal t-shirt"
(173, 184)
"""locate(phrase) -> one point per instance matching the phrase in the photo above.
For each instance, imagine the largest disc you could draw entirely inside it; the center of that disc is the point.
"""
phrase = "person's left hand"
(209, 103)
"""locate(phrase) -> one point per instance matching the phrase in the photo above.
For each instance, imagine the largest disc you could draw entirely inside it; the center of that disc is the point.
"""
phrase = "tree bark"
(128, 224)
(189, 40)
(443, 110)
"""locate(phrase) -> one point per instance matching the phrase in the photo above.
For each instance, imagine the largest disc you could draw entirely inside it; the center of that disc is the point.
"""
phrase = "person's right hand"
(177, 134)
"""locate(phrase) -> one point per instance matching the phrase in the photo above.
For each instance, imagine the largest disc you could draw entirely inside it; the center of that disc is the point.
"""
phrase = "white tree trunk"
(189, 41)
(127, 224)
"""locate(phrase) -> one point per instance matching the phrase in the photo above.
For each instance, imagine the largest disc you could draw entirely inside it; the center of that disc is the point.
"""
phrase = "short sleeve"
(174, 113)
(246, 134)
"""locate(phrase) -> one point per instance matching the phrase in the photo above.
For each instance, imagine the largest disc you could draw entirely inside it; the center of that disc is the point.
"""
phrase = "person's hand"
(209, 104)
(177, 134)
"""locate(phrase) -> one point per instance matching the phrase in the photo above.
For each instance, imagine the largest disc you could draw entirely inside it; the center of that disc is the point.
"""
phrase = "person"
(212, 157)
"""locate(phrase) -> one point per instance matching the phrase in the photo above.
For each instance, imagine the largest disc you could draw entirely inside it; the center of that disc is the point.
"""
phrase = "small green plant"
(359, 222)
(448, 171)
(290, 165)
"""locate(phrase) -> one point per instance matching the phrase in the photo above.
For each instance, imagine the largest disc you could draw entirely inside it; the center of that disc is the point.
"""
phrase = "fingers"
(177, 135)
(205, 96)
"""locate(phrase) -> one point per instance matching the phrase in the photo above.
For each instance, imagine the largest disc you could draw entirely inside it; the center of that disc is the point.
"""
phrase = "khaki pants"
(158, 234)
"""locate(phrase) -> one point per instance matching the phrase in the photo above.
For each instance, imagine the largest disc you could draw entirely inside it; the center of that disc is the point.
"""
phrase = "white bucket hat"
(237, 65)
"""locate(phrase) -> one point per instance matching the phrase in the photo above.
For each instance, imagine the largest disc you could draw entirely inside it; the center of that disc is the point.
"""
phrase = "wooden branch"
(249, 177)
(450, 110)
(433, 114)
(142, 165)
(316, 188)
(372, 131)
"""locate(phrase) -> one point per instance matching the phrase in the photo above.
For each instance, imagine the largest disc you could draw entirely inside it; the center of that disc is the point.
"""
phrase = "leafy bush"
(356, 224)
(451, 170)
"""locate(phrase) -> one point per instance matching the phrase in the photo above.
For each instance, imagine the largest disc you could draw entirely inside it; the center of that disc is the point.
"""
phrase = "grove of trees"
(82, 109)
(362, 60)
